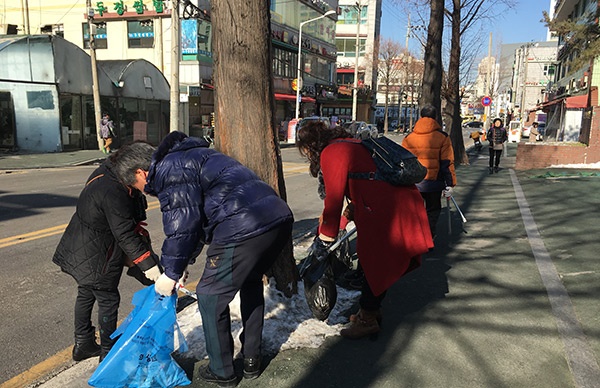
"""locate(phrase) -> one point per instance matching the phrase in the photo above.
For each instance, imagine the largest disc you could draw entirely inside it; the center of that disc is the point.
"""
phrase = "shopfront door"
(7, 121)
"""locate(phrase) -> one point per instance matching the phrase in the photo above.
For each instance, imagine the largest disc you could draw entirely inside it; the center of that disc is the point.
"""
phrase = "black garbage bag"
(321, 295)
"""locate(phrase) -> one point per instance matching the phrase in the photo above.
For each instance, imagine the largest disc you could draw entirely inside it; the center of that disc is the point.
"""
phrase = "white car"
(514, 131)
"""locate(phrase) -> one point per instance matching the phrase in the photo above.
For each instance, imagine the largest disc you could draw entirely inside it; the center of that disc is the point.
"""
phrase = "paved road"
(36, 297)
(510, 303)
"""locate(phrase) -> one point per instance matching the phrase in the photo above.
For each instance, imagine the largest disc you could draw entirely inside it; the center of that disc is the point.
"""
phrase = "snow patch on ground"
(289, 324)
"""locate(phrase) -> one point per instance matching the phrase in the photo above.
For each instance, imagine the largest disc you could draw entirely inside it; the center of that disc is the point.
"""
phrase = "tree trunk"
(432, 74)
(452, 109)
(245, 127)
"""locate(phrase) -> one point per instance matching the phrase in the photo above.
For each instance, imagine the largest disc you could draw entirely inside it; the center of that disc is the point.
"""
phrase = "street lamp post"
(299, 72)
(358, 8)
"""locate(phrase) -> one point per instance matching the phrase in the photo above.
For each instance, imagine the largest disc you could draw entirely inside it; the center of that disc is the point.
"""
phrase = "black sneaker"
(207, 375)
(85, 347)
(496, 169)
(252, 367)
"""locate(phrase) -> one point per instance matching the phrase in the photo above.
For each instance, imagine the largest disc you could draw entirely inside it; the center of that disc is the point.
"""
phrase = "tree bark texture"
(432, 74)
(452, 109)
(245, 127)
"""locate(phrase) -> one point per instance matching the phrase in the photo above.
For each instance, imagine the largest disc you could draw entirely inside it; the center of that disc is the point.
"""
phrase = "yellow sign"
(295, 84)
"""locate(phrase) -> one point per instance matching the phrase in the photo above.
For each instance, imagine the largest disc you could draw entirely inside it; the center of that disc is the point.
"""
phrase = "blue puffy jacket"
(207, 197)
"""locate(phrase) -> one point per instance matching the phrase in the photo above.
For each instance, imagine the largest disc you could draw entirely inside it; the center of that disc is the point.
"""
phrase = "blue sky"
(518, 24)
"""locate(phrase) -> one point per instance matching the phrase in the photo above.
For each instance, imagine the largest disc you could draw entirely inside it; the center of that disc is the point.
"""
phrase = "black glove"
(320, 249)
(315, 263)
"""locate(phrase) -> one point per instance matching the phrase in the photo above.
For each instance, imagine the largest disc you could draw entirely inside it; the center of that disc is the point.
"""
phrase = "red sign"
(486, 101)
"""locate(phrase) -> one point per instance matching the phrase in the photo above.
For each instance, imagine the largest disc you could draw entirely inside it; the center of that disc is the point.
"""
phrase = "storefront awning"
(577, 101)
(550, 103)
(292, 97)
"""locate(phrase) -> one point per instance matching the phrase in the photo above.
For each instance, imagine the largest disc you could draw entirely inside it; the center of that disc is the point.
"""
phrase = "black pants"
(231, 268)
(433, 206)
(495, 157)
(108, 310)
(368, 301)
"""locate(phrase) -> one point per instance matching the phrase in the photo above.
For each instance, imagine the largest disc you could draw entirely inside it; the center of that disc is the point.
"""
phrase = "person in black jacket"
(207, 197)
(105, 234)
(496, 136)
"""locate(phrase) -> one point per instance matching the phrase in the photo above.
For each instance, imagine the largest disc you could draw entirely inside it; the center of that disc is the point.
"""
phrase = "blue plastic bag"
(141, 357)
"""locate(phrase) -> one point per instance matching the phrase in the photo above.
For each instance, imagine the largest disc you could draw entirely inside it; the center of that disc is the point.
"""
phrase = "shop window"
(100, 37)
(140, 33)
(349, 14)
(42, 99)
(346, 47)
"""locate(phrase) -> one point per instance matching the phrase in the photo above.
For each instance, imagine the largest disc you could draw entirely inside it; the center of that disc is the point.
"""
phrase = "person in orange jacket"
(433, 148)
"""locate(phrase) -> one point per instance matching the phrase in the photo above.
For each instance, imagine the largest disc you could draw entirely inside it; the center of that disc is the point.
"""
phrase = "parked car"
(473, 125)
(514, 131)
(355, 128)
(294, 125)
(370, 131)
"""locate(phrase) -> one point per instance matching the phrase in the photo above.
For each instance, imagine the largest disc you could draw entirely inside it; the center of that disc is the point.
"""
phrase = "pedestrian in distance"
(208, 198)
(533, 132)
(107, 132)
(105, 234)
(476, 136)
(496, 135)
(432, 146)
(391, 223)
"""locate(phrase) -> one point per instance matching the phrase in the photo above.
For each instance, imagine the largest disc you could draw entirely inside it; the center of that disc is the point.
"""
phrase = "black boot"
(85, 347)
(103, 352)
(207, 375)
(252, 367)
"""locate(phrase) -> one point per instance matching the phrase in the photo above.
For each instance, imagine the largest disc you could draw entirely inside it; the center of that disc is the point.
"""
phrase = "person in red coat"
(391, 222)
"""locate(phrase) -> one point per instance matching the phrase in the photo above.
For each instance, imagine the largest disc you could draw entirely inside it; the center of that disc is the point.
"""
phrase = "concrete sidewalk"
(19, 161)
(511, 301)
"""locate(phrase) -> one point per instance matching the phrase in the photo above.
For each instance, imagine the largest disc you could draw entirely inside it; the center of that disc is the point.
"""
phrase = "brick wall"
(542, 154)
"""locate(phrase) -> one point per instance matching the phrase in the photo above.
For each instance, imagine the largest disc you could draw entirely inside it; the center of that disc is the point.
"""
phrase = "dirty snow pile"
(289, 324)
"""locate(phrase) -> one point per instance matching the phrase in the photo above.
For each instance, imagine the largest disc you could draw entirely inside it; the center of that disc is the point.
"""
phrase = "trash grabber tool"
(186, 291)
(449, 216)
(457, 208)
(341, 240)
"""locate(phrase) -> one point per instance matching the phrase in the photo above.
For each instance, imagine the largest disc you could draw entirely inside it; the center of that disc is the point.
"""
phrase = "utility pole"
(175, 48)
(488, 78)
(25, 14)
(408, 27)
(523, 117)
(358, 8)
(95, 89)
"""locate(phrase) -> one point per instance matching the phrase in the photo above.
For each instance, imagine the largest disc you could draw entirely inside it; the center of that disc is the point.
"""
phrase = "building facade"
(132, 29)
(572, 130)
(534, 69)
(358, 22)
(405, 81)
(572, 96)
(316, 63)
(46, 102)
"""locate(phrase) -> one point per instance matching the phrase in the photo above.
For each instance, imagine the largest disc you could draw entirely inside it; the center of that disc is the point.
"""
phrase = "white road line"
(580, 356)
